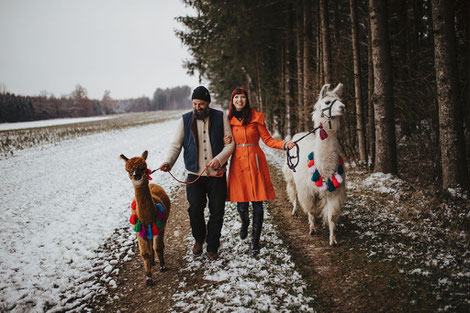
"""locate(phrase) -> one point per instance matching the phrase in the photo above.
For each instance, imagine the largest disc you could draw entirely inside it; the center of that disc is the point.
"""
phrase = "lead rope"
(219, 173)
(289, 158)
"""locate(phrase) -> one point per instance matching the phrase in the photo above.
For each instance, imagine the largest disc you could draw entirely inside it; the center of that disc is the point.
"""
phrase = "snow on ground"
(238, 282)
(61, 203)
(58, 121)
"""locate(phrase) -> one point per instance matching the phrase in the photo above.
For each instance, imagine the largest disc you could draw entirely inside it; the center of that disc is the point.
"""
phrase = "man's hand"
(165, 167)
(214, 163)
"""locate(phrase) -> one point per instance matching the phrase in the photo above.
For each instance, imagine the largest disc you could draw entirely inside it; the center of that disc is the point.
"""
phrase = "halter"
(328, 116)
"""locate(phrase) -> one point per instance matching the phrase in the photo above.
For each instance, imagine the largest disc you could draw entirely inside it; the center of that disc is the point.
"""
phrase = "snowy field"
(58, 121)
(61, 203)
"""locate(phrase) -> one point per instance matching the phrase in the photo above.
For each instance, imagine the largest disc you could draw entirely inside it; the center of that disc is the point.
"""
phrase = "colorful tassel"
(310, 163)
(312, 169)
(149, 232)
(310, 156)
(148, 174)
(138, 226)
(133, 219)
(159, 224)
(160, 215)
(143, 233)
(133, 205)
(323, 134)
(154, 229)
(160, 207)
(341, 161)
(319, 182)
(323, 187)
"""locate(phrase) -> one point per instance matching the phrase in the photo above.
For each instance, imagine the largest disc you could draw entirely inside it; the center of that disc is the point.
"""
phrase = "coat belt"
(247, 145)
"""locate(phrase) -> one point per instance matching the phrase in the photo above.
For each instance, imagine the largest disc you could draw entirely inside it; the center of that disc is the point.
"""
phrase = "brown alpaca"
(147, 196)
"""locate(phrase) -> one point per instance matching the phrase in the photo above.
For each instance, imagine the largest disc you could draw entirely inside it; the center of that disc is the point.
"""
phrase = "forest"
(404, 64)
(17, 108)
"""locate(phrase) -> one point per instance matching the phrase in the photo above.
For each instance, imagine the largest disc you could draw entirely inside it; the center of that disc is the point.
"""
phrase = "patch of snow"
(52, 122)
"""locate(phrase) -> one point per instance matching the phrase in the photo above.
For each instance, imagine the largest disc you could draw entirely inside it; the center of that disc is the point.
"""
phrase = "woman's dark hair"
(246, 113)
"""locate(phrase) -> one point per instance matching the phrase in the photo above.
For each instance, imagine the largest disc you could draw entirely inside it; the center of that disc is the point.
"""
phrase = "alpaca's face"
(137, 169)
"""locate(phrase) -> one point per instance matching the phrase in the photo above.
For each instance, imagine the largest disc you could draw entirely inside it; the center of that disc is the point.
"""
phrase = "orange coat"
(249, 178)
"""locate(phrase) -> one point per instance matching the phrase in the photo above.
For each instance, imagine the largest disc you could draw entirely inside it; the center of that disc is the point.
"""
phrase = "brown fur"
(146, 196)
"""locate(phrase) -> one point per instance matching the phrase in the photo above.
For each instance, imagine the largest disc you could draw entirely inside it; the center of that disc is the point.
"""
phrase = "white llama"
(318, 182)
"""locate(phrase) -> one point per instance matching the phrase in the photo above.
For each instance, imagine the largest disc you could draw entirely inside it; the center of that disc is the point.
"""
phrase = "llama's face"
(329, 105)
(136, 168)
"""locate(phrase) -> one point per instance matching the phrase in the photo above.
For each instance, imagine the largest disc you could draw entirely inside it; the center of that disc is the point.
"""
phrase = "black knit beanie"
(201, 93)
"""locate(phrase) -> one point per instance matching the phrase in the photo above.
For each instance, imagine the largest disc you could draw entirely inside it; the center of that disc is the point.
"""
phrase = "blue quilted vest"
(190, 142)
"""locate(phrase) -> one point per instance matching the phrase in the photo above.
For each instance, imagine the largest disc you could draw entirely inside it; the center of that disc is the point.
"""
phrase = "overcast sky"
(126, 46)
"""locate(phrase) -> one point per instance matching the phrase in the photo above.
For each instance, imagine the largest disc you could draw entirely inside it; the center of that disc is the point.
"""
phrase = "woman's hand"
(227, 139)
(289, 145)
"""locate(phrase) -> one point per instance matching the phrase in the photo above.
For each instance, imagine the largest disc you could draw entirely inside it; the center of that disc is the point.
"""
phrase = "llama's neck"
(326, 153)
(145, 208)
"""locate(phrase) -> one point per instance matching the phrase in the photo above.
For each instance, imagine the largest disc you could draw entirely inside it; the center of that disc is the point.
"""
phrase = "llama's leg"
(159, 248)
(330, 208)
(146, 255)
(311, 223)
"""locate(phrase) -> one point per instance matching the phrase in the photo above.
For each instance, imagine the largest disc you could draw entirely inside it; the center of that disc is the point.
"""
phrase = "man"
(201, 134)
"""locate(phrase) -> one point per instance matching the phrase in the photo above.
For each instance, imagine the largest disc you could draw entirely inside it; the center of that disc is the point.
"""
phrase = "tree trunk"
(326, 45)
(361, 138)
(454, 168)
(300, 67)
(370, 112)
(385, 153)
(307, 92)
(291, 82)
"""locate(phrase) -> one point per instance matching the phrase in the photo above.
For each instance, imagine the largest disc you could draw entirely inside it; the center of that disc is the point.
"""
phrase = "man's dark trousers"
(214, 188)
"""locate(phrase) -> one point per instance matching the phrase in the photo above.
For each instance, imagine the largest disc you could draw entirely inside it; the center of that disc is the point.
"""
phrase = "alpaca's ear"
(145, 154)
(339, 89)
(124, 157)
(324, 90)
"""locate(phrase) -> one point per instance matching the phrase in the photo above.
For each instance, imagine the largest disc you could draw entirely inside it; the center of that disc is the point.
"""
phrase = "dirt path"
(341, 279)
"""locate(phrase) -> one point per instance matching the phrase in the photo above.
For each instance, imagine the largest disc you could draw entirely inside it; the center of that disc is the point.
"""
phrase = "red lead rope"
(219, 173)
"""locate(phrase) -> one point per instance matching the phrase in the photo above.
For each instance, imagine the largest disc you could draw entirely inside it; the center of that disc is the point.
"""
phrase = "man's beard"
(200, 115)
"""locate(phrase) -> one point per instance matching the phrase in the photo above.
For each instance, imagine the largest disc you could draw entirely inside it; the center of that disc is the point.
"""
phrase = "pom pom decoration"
(148, 174)
(332, 183)
(160, 215)
(133, 219)
(311, 163)
(159, 224)
(335, 181)
(133, 205)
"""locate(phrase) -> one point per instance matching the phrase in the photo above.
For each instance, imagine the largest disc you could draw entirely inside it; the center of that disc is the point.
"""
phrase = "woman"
(249, 179)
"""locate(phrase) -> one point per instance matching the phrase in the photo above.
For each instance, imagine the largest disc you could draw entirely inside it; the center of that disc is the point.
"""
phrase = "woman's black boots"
(245, 223)
(257, 226)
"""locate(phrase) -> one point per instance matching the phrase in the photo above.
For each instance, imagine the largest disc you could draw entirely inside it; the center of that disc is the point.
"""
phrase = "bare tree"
(385, 146)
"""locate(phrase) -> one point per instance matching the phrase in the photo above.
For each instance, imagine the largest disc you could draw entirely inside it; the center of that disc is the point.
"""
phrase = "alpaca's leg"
(146, 255)
(159, 248)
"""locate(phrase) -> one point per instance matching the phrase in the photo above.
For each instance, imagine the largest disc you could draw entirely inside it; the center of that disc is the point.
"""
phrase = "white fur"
(300, 188)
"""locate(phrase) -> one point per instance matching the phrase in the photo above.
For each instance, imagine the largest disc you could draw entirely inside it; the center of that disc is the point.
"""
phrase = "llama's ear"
(145, 154)
(339, 90)
(124, 157)
(324, 90)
